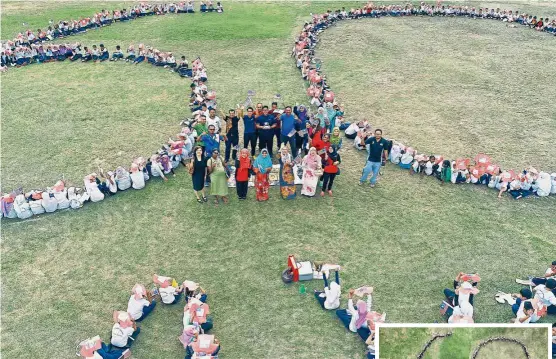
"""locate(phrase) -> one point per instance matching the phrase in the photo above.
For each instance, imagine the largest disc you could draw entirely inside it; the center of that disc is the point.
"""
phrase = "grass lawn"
(64, 274)
(407, 343)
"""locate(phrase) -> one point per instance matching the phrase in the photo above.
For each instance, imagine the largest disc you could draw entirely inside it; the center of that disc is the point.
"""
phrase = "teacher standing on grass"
(376, 146)
(287, 134)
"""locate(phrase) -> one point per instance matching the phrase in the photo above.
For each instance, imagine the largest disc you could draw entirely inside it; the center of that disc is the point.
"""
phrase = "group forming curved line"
(28, 49)
(483, 172)
(500, 339)
(478, 348)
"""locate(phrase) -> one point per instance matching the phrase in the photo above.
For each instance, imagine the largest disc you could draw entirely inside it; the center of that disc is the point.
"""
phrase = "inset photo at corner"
(478, 341)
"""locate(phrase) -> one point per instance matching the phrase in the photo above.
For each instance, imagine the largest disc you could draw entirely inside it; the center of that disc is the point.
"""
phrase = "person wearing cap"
(124, 331)
(377, 146)
(545, 293)
(218, 176)
(140, 303)
(168, 293)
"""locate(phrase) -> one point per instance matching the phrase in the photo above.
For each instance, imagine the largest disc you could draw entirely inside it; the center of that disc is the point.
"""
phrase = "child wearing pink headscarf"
(355, 317)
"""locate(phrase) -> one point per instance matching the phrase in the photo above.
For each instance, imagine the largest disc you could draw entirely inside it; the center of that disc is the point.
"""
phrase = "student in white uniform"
(140, 303)
(168, 293)
(124, 331)
(330, 297)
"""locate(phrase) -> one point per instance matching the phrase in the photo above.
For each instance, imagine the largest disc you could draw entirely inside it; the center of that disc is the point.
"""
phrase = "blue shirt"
(249, 124)
(288, 123)
(211, 143)
(267, 120)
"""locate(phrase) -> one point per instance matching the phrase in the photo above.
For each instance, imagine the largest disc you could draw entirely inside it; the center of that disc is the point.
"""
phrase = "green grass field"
(407, 343)
(64, 274)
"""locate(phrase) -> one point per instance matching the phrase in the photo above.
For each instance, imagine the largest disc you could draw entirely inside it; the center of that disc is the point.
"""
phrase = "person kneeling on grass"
(169, 290)
(354, 318)
(330, 297)
(124, 331)
(138, 307)
(94, 348)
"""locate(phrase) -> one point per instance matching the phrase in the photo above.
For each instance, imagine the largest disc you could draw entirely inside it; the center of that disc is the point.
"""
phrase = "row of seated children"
(371, 10)
(197, 321)
(140, 304)
(37, 53)
(64, 28)
(358, 316)
(97, 186)
(536, 300)
(482, 172)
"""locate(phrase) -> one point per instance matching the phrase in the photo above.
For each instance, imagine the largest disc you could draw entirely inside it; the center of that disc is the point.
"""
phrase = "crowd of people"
(483, 171)
(197, 321)
(161, 164)
(32, 47)
(307, 143)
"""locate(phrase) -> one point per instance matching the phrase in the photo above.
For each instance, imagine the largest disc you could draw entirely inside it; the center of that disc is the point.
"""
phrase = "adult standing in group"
(262, 166)
(212, 140)
(249, 129)
(265, 126)
(287, 132)
(376, 146)
(232, 135)
(287, 178)
(277, 113)
(312, 170)
(218, 177)
(198, 171)
(214, 120)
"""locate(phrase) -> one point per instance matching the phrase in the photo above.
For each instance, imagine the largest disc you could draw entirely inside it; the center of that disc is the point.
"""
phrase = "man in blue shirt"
(249, 130)
(287, 134)
(376, 146)
(212, 141)
(265, 126)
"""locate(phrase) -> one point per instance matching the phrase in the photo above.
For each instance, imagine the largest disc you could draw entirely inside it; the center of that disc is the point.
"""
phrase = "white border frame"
(548, 326)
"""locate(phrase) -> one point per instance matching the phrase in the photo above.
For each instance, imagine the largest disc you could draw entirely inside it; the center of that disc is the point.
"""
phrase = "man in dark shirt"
(249, 130)
(266, 124)
(376, 146)
(276, 112)
(232, 135)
